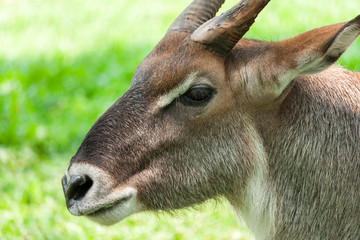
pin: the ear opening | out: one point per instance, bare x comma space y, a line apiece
316, 50
342, 40
272, 72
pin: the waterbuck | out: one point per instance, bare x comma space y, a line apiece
271, 126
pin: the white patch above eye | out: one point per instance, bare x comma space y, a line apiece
169, 97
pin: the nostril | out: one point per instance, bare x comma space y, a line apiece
77, 188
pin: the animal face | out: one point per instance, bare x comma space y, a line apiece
157, 140
185, 132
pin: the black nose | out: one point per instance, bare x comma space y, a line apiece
76, 188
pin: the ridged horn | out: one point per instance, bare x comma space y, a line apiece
198, 12
223, 32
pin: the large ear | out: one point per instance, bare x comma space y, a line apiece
271, 69
316, 50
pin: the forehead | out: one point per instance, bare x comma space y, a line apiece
173, 60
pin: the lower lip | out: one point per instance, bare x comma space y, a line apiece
107, 209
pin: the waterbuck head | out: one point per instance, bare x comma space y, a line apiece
187, 128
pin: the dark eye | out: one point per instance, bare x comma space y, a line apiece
197, 94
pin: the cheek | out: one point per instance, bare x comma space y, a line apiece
189, 172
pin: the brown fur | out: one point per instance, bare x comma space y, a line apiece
314, 162
279, 137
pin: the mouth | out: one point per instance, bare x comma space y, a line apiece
123, 205
107, 208
102, 200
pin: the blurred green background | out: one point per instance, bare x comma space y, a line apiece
62, 64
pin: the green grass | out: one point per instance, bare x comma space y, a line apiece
32, 207
63, 63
